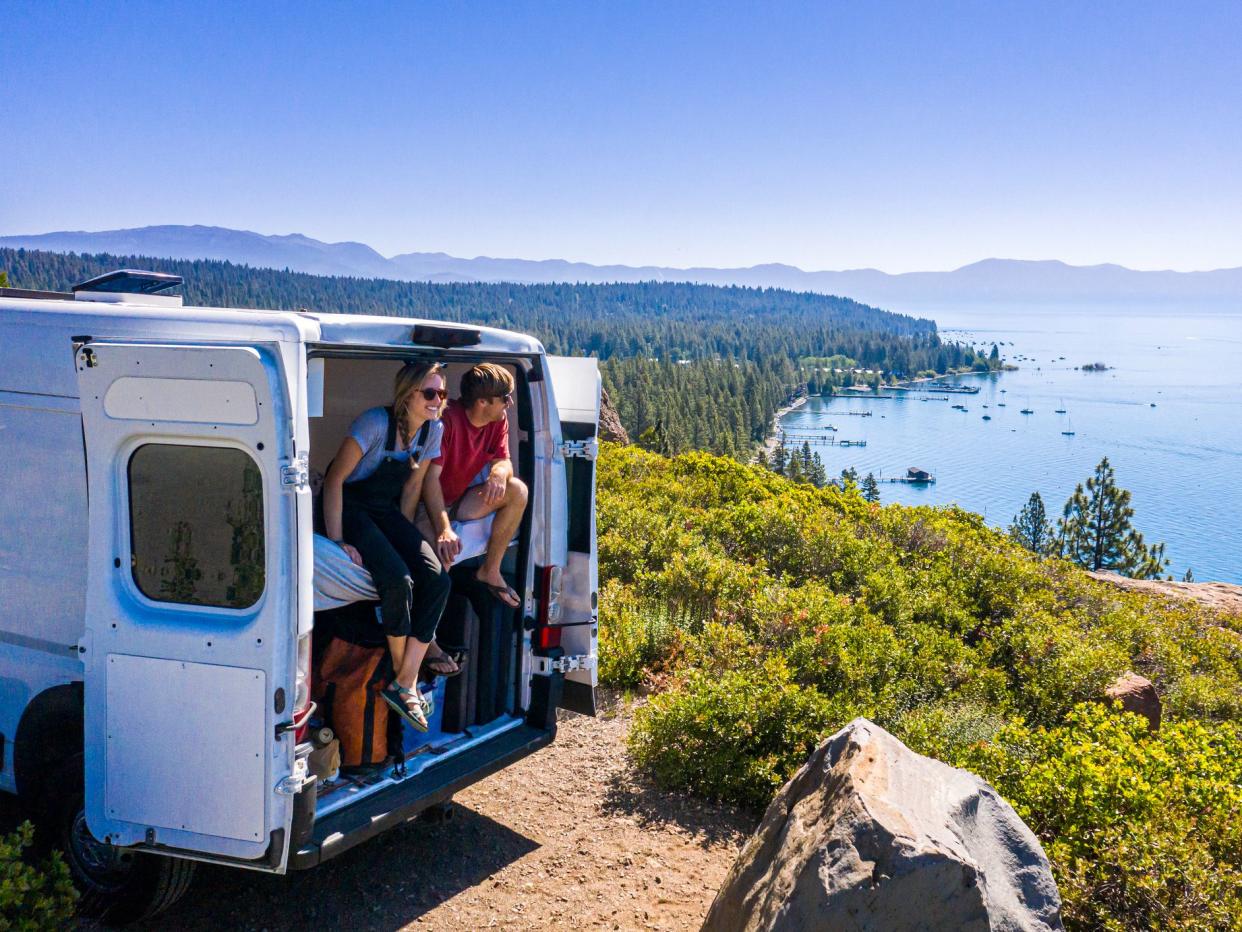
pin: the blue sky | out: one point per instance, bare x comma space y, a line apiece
827, 135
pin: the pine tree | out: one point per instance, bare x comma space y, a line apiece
1095, 530
780, 459
1190, 576
849, 479
4, 279
817, 473
994, 357
805, 456
870, 488
1031, 527
761, 458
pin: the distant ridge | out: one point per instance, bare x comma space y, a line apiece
991, 280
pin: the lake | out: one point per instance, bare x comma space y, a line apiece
1181, 459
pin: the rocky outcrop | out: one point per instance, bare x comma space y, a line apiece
870, 835
1136, 694
1223, 597
610, 426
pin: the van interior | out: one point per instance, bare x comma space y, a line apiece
484, 698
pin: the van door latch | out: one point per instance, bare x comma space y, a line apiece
545, 666
581, 449
297, 474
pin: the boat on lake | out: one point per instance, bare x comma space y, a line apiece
987, 417
1028, 410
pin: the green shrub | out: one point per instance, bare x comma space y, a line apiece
736, 736
634, 637
33, 897
1144, 830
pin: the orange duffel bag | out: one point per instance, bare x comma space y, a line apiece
347, 688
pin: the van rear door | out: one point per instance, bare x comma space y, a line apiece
576, 387
190, 645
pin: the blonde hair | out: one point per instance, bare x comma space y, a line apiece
410, 378
486, 380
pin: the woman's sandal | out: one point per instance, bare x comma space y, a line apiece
407, 703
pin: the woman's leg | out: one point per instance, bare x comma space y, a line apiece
430, 587
392, 581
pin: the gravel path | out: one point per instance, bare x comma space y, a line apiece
569, 837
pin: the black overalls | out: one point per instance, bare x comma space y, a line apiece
413, 587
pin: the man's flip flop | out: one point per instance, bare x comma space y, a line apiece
457, 658
499, 593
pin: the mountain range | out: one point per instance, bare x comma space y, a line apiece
991, 280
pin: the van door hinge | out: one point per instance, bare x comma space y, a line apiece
545, 666
297, 474
301, 776
582, 449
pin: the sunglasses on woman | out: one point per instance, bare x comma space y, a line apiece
431, 394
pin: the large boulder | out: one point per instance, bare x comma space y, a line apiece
870, 835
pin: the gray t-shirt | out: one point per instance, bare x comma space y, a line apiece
370, 430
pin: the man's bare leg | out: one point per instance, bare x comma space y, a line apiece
508, 517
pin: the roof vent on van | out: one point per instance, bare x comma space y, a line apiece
130, 286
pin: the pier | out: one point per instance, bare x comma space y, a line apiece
950, 388
825, 440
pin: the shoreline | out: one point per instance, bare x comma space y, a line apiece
770, 442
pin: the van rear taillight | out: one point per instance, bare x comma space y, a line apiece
546, 638
547, 635
302, 705
550, 595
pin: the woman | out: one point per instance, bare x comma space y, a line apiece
370, 495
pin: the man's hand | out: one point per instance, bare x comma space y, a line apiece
448, 546
495, 486
352, 552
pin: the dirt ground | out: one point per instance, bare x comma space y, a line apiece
570, 837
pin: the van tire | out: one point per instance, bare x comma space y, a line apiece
133, 885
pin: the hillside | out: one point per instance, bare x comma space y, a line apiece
767, 614
990, 280
703, 367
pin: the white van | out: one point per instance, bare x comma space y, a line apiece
157, 576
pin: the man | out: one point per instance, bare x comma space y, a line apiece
475, 475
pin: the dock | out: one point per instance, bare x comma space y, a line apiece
913, 476
824, 440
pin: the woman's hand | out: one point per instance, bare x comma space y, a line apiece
352, 552
448, 546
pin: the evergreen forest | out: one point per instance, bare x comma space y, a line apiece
687, 366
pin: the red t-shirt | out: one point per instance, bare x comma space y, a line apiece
466, 449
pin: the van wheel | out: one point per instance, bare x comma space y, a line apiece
117, 885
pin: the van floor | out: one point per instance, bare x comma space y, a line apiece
522, 852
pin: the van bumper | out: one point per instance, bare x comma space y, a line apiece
340, 831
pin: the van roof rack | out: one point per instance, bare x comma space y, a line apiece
129, 281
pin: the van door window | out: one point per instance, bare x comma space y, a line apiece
196, 525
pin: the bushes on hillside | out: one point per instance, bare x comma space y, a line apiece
772, 613
1143, 830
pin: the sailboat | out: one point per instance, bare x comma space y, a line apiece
1061, 410
1069, 432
